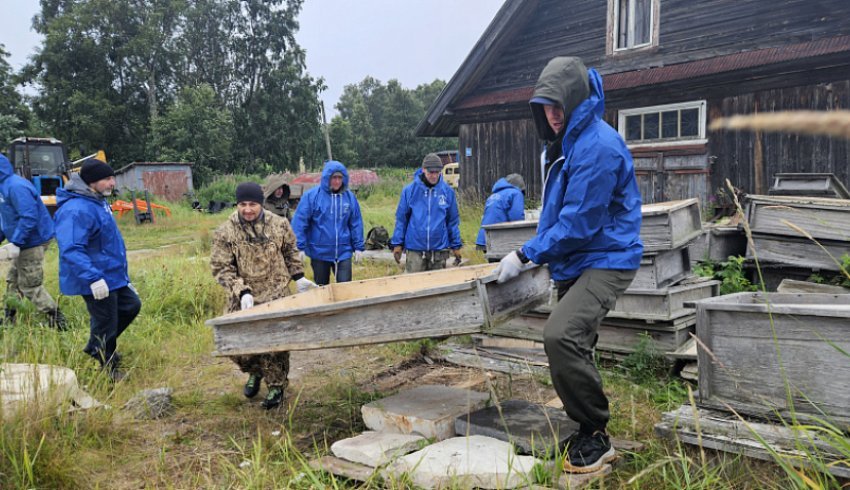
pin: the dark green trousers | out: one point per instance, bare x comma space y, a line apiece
570, 336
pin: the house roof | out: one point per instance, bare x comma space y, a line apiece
158, 164
440, 120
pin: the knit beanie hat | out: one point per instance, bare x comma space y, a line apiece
94, 170
432, 162
249, 192
516, 180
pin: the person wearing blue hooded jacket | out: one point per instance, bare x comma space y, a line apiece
427, 222
506, 203
329, 226
93, 261
589, 235
25, 222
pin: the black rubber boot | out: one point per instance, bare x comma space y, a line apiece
274, 398
57, 320
252, 386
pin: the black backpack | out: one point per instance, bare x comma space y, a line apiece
377, 239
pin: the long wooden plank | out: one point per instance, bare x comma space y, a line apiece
725, 432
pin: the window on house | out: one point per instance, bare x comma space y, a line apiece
663, 123
633, 23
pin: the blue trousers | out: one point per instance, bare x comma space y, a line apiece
322, 271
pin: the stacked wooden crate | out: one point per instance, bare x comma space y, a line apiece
654, 306
793, 233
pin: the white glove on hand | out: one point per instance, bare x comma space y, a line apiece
304, 284
509, 267
247, 301
358, 256
99, 289
10, 251
301, 257
132, 288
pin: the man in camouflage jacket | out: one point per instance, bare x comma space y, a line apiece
254, 257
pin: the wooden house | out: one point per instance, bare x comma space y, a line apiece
669, 67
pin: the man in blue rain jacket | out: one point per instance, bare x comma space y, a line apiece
329, 226
589, 235
506, 203
93, 261
427, 222
25, 222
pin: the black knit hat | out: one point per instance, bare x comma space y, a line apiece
249, 192
94, 170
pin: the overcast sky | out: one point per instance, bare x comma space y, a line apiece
414, 41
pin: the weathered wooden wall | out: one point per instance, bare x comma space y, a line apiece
737, 153
497, 149
688, 30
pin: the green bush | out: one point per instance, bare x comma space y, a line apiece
223, 188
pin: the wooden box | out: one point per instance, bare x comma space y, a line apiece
822, 218
453, 301
623, 336
798, 252
662, 269
718, 243
663, 304
756, 342
670, 225
504, 238
823, 185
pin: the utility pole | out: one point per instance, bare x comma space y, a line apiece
325, 128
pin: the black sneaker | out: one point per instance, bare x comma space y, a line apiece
252, 386
274, 398
588, 453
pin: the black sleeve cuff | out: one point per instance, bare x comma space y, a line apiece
522, 257
298, 276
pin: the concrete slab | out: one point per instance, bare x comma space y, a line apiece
465, 462
429, 411
340, 467
534, 429
377, 448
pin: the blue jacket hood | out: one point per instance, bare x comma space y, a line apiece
77, 188
328, 225
331, 167
24, 219
6, 169
506, 203
593, 107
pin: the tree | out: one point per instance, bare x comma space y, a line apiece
13, 113
376, 123
197, 128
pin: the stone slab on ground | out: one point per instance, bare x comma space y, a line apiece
376, 448
570, 481
465, 462
532, 428
343, 468
429, 411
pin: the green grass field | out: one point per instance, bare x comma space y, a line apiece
215, 438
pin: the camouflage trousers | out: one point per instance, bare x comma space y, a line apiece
26, 279
274, 367
419, 261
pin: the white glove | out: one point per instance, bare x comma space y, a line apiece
304, 284
509, 267
247, 301
10, 251
301, 257
358, 255
99, 289
132, 288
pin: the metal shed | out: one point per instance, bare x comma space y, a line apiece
169, 180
